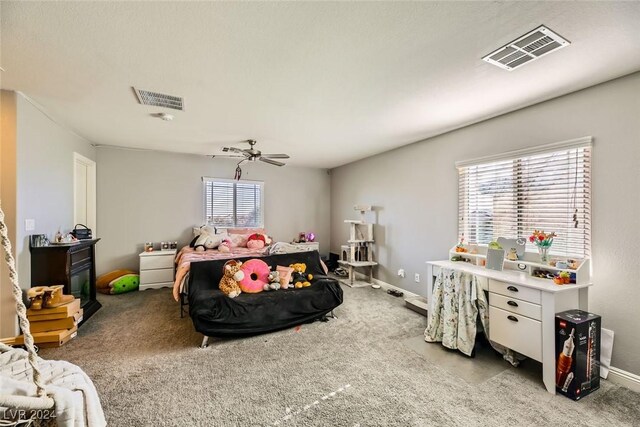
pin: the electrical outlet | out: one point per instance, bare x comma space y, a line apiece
29, 224
401, 272
417, 277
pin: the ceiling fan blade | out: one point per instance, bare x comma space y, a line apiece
233, 150
276, 156
228, 156
271, 162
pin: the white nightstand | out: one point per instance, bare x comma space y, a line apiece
156, 269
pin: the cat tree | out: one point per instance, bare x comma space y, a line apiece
358, 252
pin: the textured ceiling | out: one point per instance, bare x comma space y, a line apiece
326, 82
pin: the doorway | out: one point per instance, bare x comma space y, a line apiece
84, 191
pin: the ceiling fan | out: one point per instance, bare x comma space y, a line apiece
251, 154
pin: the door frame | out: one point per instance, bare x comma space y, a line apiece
91, 190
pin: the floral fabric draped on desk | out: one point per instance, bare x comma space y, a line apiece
458, 300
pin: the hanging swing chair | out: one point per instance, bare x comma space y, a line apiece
38, 392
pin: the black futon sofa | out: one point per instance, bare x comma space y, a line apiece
216, 315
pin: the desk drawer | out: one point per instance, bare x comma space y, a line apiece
515, 291
156, 276
156, 261
516, 306
516, 332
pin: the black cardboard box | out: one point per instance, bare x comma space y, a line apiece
578, 353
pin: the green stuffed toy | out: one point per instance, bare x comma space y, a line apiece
118, 282
126, 283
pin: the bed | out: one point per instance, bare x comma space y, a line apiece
188, 255
216, 315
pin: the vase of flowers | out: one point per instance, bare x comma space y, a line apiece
543, 241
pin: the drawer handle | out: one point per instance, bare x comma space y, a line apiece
512, 303
512, 288
512, 318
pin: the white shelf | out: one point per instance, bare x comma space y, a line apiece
530, 262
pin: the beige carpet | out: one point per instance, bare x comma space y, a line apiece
366, 368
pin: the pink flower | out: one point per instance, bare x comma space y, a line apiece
531, 238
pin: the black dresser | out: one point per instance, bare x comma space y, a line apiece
71, 265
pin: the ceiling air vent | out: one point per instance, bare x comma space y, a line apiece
527, 48
159, 99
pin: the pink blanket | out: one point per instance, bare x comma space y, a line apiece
187, 255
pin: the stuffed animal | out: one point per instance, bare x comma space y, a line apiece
232, 275
299, 279
207, 240
285, 276
274, 281
118, 282
225, 246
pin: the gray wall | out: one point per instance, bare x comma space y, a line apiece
155, 196
415, 188
44, 178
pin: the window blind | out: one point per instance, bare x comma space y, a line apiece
548, 190
233, 203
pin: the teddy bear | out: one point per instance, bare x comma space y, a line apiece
274, 281
232, 275
299, 279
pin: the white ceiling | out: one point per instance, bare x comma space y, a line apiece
326, 82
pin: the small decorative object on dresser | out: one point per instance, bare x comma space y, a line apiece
543, 241
156, 269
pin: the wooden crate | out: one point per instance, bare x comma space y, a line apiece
46, 339
61, 312
56, 324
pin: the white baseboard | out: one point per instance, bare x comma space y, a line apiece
624, 378
386, 286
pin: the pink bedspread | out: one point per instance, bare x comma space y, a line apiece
187, 255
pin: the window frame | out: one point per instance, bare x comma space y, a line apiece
518, 157
206, 179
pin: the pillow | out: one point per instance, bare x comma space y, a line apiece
238, 240
285, 274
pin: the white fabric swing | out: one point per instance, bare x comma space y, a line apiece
47, 392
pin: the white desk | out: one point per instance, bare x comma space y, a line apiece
522, 310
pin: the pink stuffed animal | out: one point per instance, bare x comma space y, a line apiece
225, 246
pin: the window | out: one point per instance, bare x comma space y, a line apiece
548, 188
229, 203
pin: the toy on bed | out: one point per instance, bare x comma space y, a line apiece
299, 279
229, 284
208, 239
285, 276
274, 281
256, 276
118, 282
258, 241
